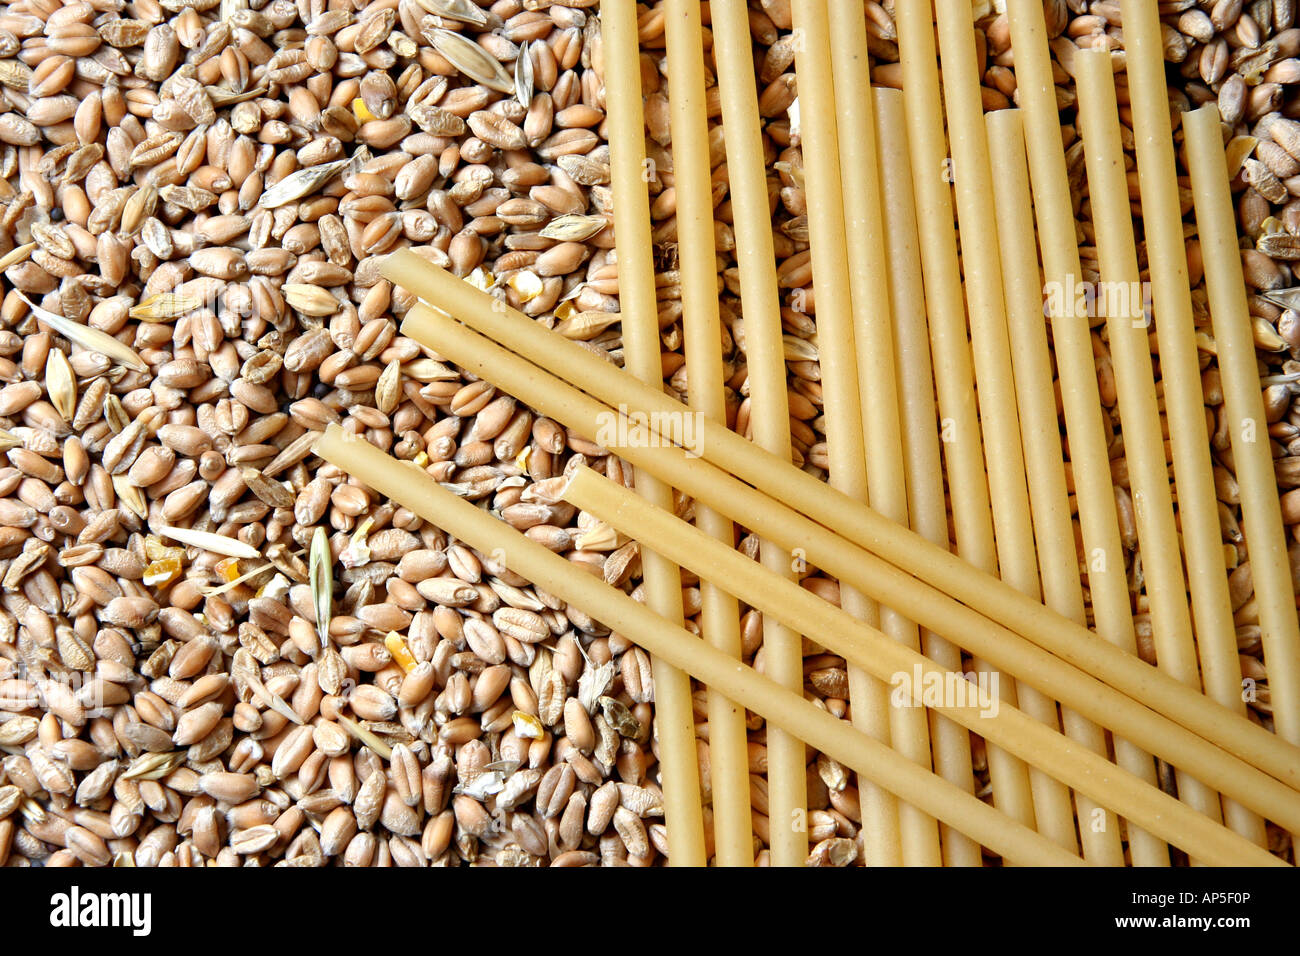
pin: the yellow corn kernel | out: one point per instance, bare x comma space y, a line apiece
361, 111
154, 547
162, 572
527, 726
527, 284
397, 647
481, 279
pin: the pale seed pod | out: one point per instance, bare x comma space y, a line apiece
406, 775
631, 831
437, 834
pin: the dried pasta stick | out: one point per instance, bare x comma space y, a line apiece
1040, 432
1135, 386
842, 402
733, 826
674, 713
968, 486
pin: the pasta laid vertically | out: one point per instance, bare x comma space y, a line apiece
999, 417
846, 454
769, 406
641, 345
923, 466
733, 833
1135, 385
878, 384
1265, 536
964, 459
1048, 491
1089, 458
